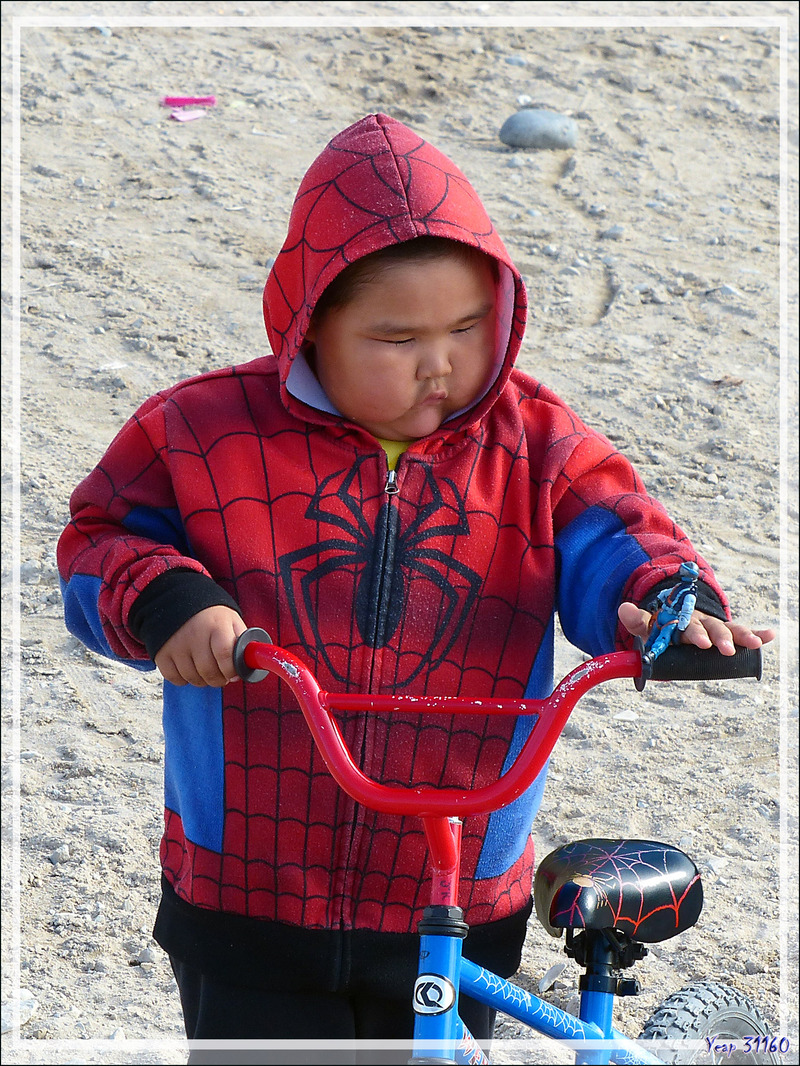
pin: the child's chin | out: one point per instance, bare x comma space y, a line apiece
405, 429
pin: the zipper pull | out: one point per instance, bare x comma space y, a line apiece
391, 488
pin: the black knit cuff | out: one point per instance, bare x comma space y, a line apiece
170, 600
707, 600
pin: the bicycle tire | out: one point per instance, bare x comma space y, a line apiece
709, 1011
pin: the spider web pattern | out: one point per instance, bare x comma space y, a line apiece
648, 890
447, 588
252, 485
522, 1005
376, 184
295, 848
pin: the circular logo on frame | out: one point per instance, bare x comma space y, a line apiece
433, 994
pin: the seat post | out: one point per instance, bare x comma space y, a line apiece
598, 987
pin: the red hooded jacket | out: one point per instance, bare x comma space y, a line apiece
245, 486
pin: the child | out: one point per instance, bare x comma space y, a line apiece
391, 500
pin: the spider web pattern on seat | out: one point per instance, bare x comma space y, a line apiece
650, 891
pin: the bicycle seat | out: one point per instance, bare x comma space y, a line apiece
648, 890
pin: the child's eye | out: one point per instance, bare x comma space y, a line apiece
466, 329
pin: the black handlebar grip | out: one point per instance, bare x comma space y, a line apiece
248, 637
687, 662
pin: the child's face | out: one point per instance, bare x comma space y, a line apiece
411, 348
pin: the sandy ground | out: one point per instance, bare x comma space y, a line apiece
652, 251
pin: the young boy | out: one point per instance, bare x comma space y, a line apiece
391, 500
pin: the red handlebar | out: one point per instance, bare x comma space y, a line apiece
318, 707
441, 809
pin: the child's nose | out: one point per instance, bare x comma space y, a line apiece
435, 360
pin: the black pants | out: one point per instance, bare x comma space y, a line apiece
213, 1010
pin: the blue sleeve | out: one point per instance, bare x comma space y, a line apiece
596, 556
82, 617
81, 592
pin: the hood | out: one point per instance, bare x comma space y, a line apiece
376, 183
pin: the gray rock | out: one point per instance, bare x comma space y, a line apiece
26, 1006
613, 233
535, 128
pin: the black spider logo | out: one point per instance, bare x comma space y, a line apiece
382, 563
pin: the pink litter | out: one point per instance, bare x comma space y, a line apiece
188, 101
181, 114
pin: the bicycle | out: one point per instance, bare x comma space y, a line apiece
610, 897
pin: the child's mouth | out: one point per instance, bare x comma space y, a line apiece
434, 398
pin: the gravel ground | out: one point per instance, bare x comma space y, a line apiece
652, 252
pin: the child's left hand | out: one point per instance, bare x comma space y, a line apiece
704, 630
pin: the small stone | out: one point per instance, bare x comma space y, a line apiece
731, 81
536, 128
551, 976
30, 573
47, 172
613, 233
25, 1004
572, 731
61, 854
626, 716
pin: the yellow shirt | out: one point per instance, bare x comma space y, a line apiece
394, 449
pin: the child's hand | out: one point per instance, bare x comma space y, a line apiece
704, 630
201, 651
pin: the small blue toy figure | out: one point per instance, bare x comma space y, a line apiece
674, 612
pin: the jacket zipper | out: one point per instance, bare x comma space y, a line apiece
385, 560
385, 552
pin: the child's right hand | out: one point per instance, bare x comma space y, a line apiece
201, 651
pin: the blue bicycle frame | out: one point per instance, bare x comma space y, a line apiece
440, 1036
